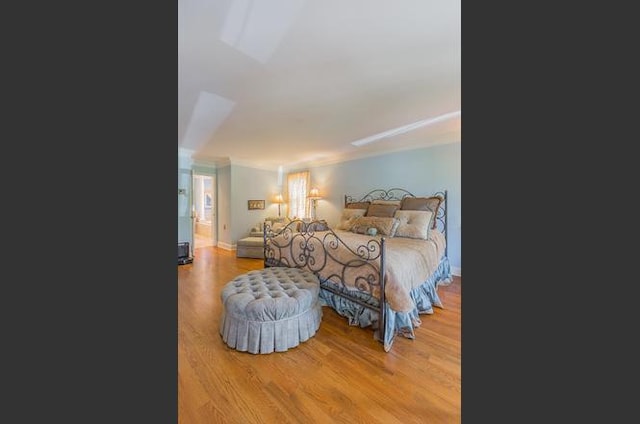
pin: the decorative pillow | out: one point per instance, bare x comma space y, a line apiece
358, 205
394, 229
381, 210
348, 217
386, 202
384, 225
296, 226
277, 226
347, 223
281, 219
275, 223
423, 204
318, 226
413, 224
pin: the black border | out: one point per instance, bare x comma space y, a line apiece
547, 327
90, 313
545, 124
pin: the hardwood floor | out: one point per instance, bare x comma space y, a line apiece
200, 240
340, 375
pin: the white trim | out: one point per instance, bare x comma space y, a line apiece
221, 162
356, 155
456, 271
253, 164
205, 163
451, 137
216, 162
226, 246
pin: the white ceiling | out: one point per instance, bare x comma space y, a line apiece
265, 83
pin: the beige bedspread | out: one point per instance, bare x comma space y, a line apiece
409, 262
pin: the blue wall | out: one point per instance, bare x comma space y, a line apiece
421, 171
251, 184
235, 186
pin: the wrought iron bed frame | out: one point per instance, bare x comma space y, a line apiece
366, 256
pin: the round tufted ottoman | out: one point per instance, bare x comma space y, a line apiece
271, 309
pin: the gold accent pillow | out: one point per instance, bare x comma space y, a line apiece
348, 218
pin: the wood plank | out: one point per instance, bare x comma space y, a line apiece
342, 374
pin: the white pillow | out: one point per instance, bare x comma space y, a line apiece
413, 224
348, 217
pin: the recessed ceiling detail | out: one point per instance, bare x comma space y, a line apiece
405, 128
295, 82
208, 114
256, 27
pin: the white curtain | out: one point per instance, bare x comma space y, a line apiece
297, 189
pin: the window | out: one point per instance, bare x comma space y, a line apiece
297, 187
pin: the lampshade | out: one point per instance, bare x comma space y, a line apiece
314, 193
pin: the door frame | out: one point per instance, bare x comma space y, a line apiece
214, 207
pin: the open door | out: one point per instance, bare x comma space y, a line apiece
204, 210
185, 208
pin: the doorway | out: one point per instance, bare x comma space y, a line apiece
204, 208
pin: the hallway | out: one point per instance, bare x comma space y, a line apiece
201, 241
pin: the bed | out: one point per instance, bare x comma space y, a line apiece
380, 266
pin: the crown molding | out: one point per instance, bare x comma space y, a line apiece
253, 164
210, 163
347, 157
221, 162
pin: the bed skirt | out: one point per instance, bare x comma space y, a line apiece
424, 298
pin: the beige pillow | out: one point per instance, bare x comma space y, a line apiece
381, 210
348, 217
413, 224
281, 219
384, 225
358, 205
277, 227
386, 202
423, 204
396, 224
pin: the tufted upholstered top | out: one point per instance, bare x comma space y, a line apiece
271, 294
270, 310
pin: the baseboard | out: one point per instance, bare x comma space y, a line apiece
456, 271
226, 246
